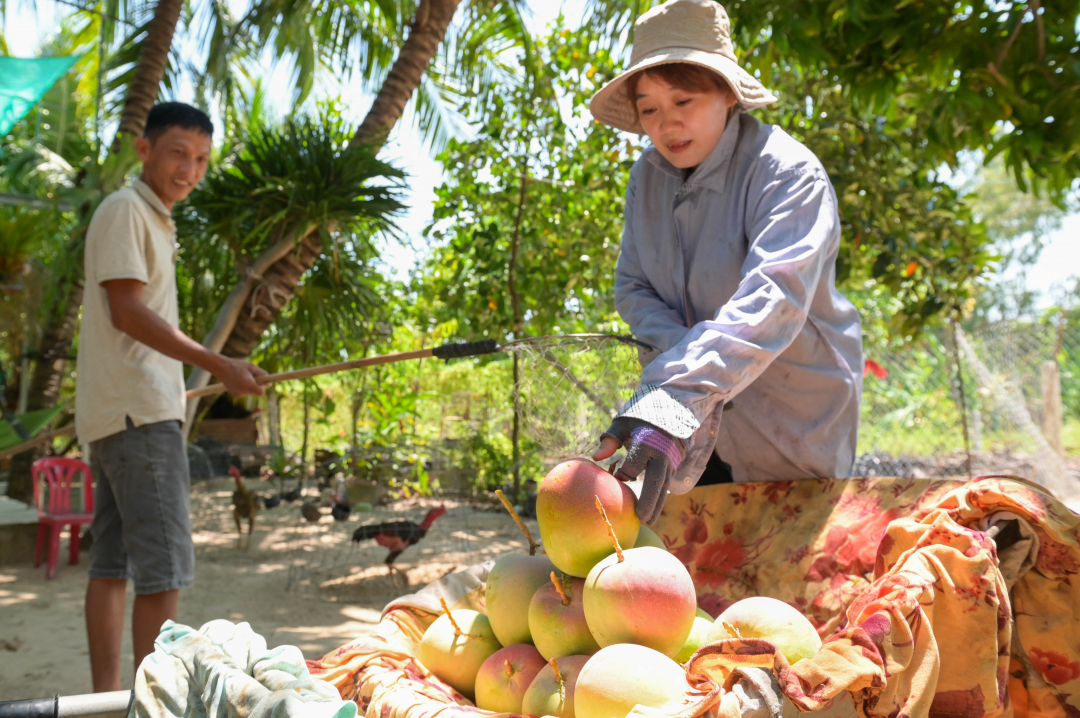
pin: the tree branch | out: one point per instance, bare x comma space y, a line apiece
1009, 42
1036, 9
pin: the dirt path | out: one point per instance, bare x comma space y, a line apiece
301, 584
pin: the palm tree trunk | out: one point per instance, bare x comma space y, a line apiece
433, 18
62, 319
153, 60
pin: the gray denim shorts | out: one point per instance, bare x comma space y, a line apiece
142, 508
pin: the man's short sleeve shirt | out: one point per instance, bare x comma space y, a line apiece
131, 236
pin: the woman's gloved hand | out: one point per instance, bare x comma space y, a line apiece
649, 449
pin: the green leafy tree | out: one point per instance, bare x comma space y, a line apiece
998, 76
902, 228
287, 181
526, 232
370, 35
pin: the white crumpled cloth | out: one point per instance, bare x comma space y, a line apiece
224, 670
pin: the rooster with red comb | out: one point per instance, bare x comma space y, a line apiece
397, 536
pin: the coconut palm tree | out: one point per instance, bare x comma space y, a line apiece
464, 65
392, 43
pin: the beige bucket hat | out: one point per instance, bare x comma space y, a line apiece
691, 31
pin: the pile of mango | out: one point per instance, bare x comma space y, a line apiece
599, 624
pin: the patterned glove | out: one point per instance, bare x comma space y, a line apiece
652, 450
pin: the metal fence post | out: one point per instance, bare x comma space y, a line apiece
963, 399
1053, 420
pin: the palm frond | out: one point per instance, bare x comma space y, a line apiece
611, 22
22, 232
299, 174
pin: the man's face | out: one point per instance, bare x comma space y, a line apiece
683, 125
174, 162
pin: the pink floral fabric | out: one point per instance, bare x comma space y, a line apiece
905, 592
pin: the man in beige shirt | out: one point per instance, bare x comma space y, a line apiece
130, 393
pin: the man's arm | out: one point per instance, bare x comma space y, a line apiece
131, 316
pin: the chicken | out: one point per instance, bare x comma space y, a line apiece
340, 510
310, 512
293, 494
339, 507
245, 506
397, 536
273, 500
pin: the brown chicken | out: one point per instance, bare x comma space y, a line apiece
310, 512
245, 506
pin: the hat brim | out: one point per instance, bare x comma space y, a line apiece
612, 106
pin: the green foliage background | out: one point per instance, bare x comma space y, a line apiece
527, 225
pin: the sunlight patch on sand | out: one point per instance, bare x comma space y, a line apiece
13, 598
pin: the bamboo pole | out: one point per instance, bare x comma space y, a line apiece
318, 371
37, 441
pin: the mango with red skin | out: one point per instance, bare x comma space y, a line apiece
505, 676
574, 536
647, 599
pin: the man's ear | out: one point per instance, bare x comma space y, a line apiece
142, 148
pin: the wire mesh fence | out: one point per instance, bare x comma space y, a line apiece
999, 398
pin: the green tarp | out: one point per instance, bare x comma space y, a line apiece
32, 421
23, 82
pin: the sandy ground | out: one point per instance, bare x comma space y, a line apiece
302, 584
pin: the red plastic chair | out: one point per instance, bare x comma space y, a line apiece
58, 473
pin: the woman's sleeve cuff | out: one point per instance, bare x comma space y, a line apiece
652, 404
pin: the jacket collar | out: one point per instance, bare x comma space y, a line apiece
712, 173
152, 199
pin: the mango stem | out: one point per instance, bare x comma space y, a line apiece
610, 530
509, 668
560, 589
517, 520
450, 616
558, 679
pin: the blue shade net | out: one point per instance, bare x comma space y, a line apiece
23, 82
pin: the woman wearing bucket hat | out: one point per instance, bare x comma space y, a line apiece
727, 267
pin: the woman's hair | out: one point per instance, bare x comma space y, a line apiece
683, 75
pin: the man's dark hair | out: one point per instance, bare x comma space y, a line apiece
176, 114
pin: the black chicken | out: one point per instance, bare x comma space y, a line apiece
340, 510
397, 535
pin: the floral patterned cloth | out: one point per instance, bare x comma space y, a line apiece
898, 575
